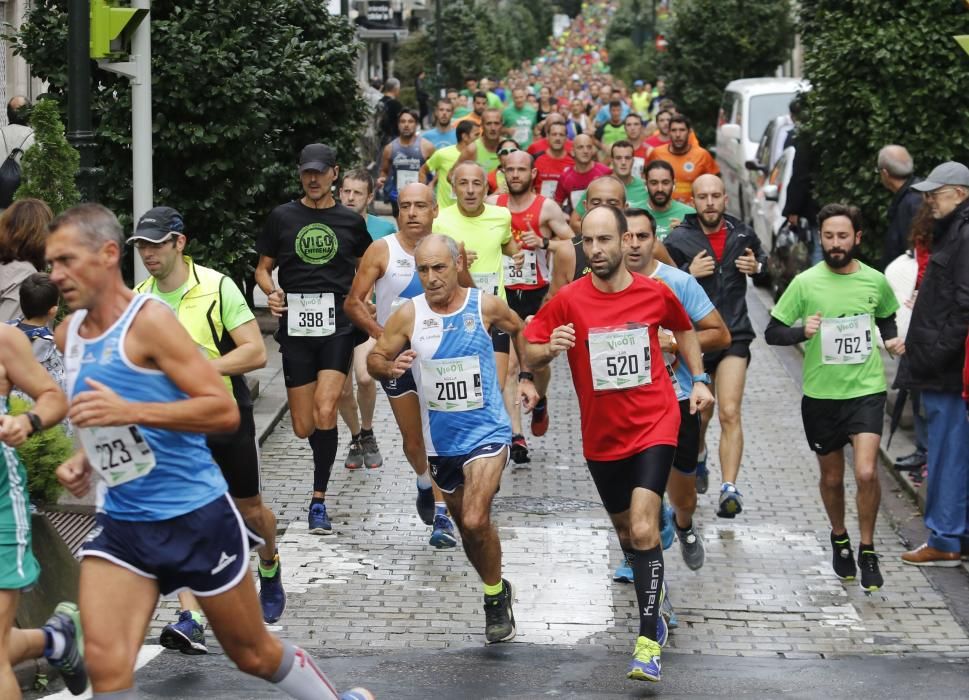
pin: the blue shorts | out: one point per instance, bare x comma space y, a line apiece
404, 384
448, 472
205, 551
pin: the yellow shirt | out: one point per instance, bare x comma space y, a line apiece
440, 164
485, 234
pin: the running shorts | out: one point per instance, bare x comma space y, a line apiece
237, 455
829, 424
616, 479
448, 472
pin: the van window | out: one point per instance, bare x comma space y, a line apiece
729, 109
763, 108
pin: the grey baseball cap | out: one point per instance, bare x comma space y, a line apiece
949, 173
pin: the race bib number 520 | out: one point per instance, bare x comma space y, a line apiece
619, 357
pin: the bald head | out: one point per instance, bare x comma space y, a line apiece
607, 189
435, 246
709, 201
469, 165
416, 191
896, 161
706, 183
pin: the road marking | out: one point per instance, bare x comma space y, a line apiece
145, 655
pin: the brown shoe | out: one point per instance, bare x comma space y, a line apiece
925, 555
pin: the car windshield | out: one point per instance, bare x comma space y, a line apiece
763, 108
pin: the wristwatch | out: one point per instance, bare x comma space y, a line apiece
545, 243
704, 378
526, 376
36, 424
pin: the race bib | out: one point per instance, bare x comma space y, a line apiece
406, 177
311, 315
670, 361
528, 274
548, 188
452, 385
638, 164
486, 281
846, 341
118, 454
575, 197
522, 133
619, 357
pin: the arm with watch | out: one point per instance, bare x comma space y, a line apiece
19, 368
689, 349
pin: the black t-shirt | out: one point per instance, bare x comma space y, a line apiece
316, 250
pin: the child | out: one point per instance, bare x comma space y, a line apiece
38, 301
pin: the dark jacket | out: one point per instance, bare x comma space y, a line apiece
905, 204
935, 344
800, 190
727, 286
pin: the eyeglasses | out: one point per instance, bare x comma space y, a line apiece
935, 193
507, 151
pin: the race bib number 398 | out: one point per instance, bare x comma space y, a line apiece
846, 341
619, 357
311, 315
453, 384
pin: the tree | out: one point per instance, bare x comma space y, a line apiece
238, 87
49, 167
41, 455
882, 73
712, 42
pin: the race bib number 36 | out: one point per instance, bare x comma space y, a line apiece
311, 315
118, 453
452, 385
619, 357
846, 341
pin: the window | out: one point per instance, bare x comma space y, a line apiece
763, 108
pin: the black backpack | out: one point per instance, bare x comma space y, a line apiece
10, 171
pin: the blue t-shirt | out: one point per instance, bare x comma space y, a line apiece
602, 116
378, 227
441, 139
697, 305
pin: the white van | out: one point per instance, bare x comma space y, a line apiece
747, 107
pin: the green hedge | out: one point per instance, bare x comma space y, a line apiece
41, 455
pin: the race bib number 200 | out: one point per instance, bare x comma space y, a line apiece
846, 341
619, 357
452, 384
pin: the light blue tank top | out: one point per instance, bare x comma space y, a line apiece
461, 403
185, 477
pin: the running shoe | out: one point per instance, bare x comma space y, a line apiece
425, 505
646, 664
691, 547
731, 502
842, 558
354, 458
357, 694
519, 449
540, 418
871, 575
624, 572
662, 620
499, 619
371, 451
702, 475
442, 537
66, 621
272, 596
186, 635
319, 521
666, 525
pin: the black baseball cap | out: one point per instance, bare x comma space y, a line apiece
316, 156
158, 225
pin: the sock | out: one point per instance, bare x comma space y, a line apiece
54, 643
495, 589
647, 569
440, 508
268, 567
317, 499
129, 694
299, 677
424, 480
324, 444
365, 432
197, 616
866, 547
355, 438
682, 529
540, 405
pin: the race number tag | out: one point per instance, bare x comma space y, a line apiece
638, 164
486, 281
528, 274
311, 315
846, 341
118, 454
406, 177
452, 385
575, 197
548, 188
619, 357
522, 133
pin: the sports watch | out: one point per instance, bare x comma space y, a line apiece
36, 424
705, 378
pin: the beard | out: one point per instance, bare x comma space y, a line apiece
609, 269
837, 263
710, 221
660, 199
517, 188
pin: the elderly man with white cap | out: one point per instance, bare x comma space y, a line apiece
935, 352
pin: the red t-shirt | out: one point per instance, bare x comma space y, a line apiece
573, 181
617, 423
541, 146
922, 255
718, 240
656, 140
549, 171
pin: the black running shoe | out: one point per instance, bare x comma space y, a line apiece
843, 559
66, 621
519, 450
871, 575
499, 619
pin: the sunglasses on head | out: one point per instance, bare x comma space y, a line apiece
506, 151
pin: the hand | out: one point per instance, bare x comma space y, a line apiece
470, 256
703, 265
403, 362
700, 398
531, 239
667, 343
99, 407
895, 346
527, 394
812, 325
277, 302
562, 338
381, 181
519, 259
14, 430
372, 310
75, 474
747, 263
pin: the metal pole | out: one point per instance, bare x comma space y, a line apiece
141, 121
438, 51
80, 132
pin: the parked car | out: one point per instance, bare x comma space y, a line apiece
768, 202
769, 151
747, 107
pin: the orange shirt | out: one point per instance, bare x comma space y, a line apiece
470, 117
686, 168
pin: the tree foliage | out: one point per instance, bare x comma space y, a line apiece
882, 73
712, 42
49, 167
238, 87
41, 455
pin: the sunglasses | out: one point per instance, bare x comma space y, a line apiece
507, 151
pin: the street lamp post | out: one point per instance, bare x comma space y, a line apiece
438, 51
80, 131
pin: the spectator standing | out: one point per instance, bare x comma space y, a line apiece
23, 236
895, 168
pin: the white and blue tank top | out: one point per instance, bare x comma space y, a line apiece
399, 283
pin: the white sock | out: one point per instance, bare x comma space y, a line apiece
299, 677
424, 480
57, 643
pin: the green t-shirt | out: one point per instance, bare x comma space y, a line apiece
494, 102
460, 112
522, 122
840, 298
487, 159
610, 133
636, 197
440, 164
667, 220
485, 234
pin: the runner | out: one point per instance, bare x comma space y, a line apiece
535, 221
439, 165
661, 136
519, 119
544, 144
622, 167
403, 157
575, 180
316, 243
721, 252
609, 322
666, 211
357, 193
841, 302
689, 160
466, 429
612, 130
388, 268
633, 126
553, 162
216, 315
479, 103
496, 178
137, 382
487, 144
60, 640
443, 133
